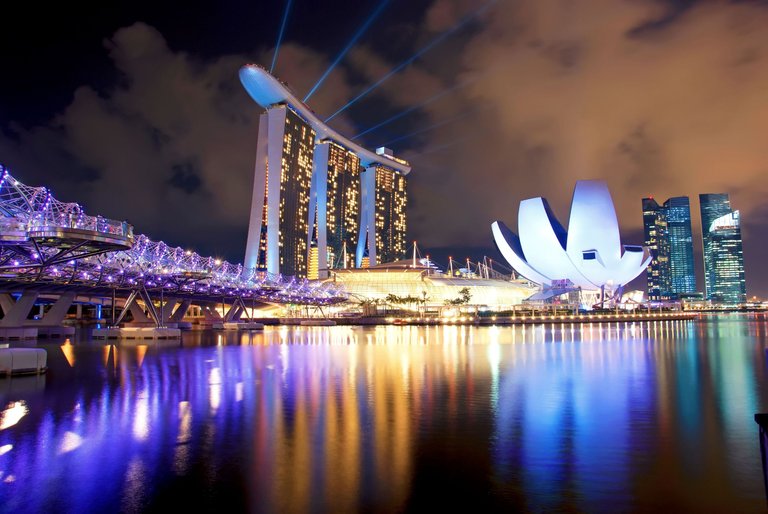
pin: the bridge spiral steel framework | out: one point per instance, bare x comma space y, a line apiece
45, 241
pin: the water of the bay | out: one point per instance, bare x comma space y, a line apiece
653, 416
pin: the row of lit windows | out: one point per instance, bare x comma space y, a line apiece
343, 200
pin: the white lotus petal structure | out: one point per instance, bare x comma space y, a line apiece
589, 254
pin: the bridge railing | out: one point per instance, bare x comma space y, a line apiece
36, 209
46, 220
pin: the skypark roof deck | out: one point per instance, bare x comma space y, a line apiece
268, 91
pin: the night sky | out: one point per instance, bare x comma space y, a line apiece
135, 109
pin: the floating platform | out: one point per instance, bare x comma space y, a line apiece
23, 361
136, 333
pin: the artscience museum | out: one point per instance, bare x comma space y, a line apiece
589, 256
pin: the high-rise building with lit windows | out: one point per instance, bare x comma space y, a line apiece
723, 253
682, 272
655, 229
336, 204
287, 139
313, 272
333, 203
671, 273
384, 217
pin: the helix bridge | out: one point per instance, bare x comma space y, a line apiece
55, 246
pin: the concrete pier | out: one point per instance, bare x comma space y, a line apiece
55, 332
17, 333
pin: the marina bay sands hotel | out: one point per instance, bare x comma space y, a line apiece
320, 201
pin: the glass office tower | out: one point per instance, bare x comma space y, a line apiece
682, 275
655, 230
667, 227
723, 253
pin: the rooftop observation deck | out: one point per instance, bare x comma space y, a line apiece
268, 91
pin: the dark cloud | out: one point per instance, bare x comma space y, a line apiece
185, 177
672, 11
170, 146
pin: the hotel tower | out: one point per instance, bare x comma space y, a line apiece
320, 201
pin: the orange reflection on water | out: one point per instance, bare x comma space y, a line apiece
12, 414
68, 351
322, 421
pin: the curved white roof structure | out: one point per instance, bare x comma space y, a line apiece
590, 254
267, 91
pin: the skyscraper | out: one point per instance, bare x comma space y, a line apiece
310, 190
655, 230
284, 138
668, 234
335, 205
681, 265
723, 253
383, 218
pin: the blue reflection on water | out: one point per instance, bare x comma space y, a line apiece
623, 416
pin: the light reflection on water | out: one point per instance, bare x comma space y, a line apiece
644, 416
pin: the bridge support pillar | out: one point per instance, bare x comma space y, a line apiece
15, 314
166, 309
233, 314
139, 316
210, 314
235, 311
58, 311
6, 303
180, 312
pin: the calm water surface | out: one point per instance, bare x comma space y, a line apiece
595, 418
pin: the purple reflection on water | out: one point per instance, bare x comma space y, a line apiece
596, 418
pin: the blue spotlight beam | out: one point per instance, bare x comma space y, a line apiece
349, 46
439, 39
409, 110
434, 126
442, 147
280, 34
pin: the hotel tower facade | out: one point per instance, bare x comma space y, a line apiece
320, 201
